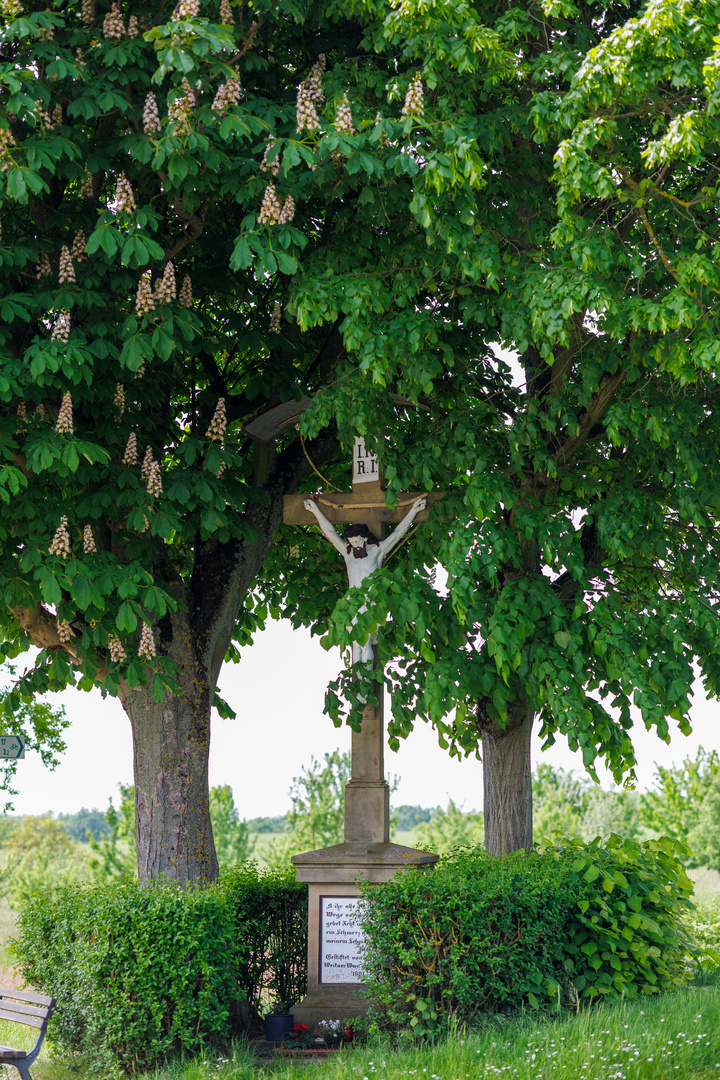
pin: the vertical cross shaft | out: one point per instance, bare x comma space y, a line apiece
367, 795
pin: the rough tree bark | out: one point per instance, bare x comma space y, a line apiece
507, 780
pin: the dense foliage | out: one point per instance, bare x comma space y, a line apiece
486, 933
143, 973
355, 198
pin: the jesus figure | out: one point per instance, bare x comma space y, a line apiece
363, 552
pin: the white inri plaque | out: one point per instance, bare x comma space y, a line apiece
365, 463
341, 936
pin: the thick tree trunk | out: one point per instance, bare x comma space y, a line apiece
507, 780
171, 742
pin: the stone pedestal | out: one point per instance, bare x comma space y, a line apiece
333, 873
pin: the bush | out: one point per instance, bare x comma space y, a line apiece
269, 914
142, 973
486, 933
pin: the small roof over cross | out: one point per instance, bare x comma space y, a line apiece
364, 505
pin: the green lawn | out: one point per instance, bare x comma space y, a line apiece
671, 1035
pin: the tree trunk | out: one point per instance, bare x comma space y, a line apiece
171, 743
507, 780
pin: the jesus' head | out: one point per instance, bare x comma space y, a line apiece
358, 537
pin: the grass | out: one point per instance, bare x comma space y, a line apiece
656, 1038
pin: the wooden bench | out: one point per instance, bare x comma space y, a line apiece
23, 1008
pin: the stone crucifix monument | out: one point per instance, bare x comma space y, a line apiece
334, 933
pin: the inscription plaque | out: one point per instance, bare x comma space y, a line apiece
341, 937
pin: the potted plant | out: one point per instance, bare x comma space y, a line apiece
278, 1022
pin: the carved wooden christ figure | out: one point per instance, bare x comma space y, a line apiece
363, 552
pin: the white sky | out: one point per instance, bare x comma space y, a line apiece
277, 691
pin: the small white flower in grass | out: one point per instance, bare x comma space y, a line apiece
61, 329
151, 115
147, 643
64, 425
113, 26
67, 270
65, 631
186, 292
124, 196
130, 457
218, 424
154, 481
88, 540
60, 544
116, 649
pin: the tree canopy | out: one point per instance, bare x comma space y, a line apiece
211, 210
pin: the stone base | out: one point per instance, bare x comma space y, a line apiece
335, 871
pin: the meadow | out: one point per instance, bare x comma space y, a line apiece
656, 1038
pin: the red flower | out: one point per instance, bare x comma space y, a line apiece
299, 1028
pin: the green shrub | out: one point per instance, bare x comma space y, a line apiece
486, 933
142, 973
268, 910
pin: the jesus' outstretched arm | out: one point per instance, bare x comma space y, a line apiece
326, 526
397, 534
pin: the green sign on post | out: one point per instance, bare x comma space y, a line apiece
12, 746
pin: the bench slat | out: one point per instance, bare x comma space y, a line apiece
7, 1053
43, 1011
25, 995
32, 1021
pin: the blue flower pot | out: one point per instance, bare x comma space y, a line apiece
278, 1026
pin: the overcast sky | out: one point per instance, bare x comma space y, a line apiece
277, 691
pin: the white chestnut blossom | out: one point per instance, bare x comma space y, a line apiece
130, 457
154, 480
61, 329
306, 115
78, 253
144, 301
151, 115
64, 425
186, 292
147, 643
275, 320
88, 540
166, 290
67, 271
228, 94
271, 207
113, 26
343, 118
218, 424
116, 649
60, 544
124, 196
413, 104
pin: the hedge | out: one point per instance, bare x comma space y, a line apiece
142, 973
486, 933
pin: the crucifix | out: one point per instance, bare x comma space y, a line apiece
364, 548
